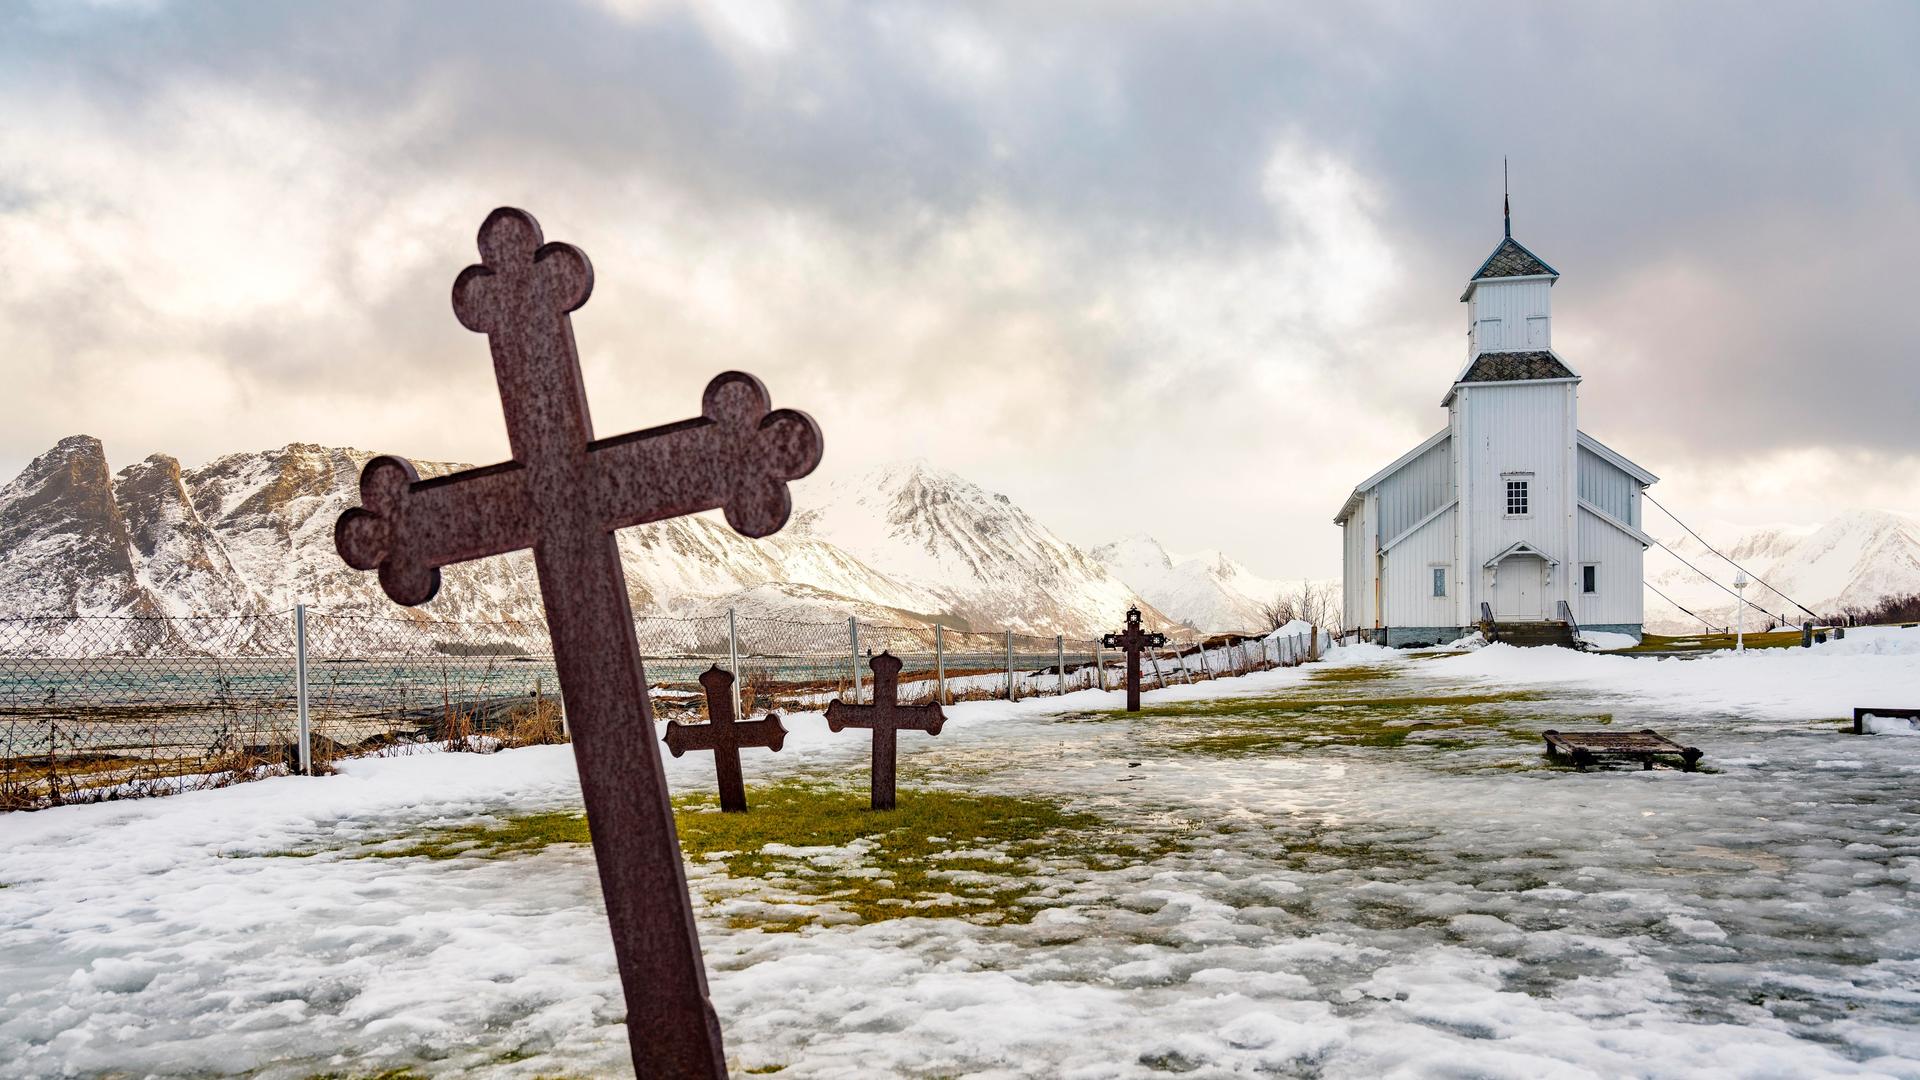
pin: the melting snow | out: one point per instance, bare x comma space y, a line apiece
1346, 911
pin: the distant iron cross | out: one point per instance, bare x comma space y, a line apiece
563, 495
1133, 639
887, 717
725, 735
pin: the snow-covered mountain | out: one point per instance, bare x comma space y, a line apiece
252, 533
1207, 591
971, 549
1856, 559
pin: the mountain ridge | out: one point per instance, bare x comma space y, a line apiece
251, 533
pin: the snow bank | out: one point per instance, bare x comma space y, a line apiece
1873, 641
1606, 640
1776, 683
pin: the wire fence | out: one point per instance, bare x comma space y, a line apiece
95, 708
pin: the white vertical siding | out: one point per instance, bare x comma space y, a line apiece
1517, 427
1524, 312
1621, 563
1354, 611
1408, 577
1606, 486
1422, 486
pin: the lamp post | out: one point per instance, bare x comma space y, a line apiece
1740, 616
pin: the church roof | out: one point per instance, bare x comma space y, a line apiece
1515, 367
1510, 259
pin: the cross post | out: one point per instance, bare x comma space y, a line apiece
725, 735
563, 494
887, 718
1132, 640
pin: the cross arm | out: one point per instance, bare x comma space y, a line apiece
841, 716
407, 528
768, 732
737, 455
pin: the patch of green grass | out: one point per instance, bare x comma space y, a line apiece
407, 1073
813, 852
1280, 705
940, 854
1262, 727
1357, 673
518, 835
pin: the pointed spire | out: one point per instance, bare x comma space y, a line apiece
1506, 200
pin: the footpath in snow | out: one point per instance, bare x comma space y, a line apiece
1423, 898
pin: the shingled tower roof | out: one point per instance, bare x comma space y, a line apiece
1510, 259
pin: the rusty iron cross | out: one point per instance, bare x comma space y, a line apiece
725, 735
563, 494
887, 717
1133, 639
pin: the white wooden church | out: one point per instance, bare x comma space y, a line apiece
1510, 505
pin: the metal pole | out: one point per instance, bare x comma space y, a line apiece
1060, 660
1740, 611
853, 642
940, 664
300, 687
1010, 696
733, 660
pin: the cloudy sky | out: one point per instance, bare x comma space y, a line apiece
1185, 269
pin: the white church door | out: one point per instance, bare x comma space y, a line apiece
1519, 589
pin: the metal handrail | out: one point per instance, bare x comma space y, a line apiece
1566, 616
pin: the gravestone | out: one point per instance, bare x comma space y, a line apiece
887, 718
1132, 640
563, 494
725, 735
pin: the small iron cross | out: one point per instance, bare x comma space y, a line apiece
563, 494
724, 735
887, 717
1133, 639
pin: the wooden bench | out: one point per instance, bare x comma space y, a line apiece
1911, 716
1585, 748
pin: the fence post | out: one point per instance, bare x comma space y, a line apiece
1099, 667
1010, 692
733, 659
1060, 660
1186, 675
1205, 671
300, 687
940, 664
1159, 677
853, 645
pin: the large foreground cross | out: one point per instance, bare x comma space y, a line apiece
563, 495
887, 717
1133, 639
725, 735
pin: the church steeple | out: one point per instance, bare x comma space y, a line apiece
1508, 307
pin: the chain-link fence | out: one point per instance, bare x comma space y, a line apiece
96, 708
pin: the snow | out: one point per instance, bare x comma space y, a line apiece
1606, 640
1858, 558
1447, 914
1206, 590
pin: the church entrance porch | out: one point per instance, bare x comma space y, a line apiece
1522, 576
1519, 586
